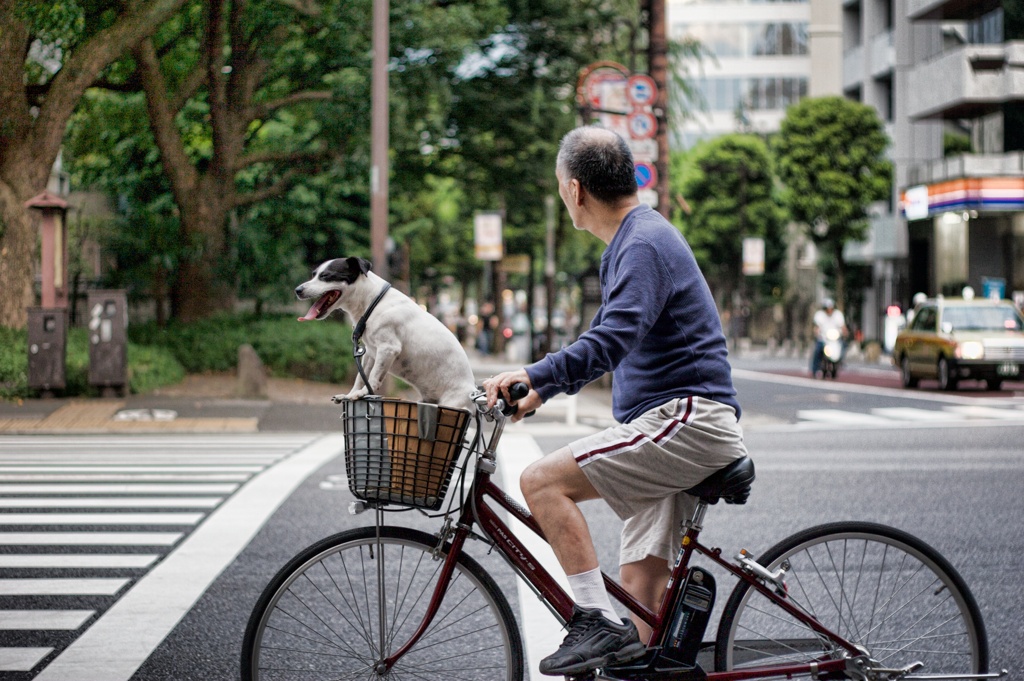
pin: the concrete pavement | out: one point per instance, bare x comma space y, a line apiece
207, 404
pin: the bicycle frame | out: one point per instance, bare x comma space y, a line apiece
478, 512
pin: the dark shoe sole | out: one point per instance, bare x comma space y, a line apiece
627, 654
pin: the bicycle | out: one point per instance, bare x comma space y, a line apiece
846, 600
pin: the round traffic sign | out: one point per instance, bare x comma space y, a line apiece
646, 175
641, 90
642, 125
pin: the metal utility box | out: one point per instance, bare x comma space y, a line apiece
108, 339
47, 341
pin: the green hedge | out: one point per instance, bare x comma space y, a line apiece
148, 367
318, 351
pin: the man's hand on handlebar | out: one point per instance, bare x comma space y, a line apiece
498, 387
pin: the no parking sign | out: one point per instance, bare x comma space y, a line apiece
646, 175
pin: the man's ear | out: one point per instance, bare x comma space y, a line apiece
576, 191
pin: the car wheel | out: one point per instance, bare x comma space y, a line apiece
947, 381
994, 383
909, 380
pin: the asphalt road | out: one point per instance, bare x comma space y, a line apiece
953, 479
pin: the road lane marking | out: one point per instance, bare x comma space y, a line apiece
57, 467
100, 518
21, 659
123, 477
979, 412
50, 620
137, 623
61, 587
119, 488
77, 560
541, 630
839, 416
832, 386
911, 414
109, 502
89, 538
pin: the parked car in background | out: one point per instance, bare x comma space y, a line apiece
959, 338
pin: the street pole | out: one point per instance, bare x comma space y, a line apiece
379, 139
657, 61
549, 269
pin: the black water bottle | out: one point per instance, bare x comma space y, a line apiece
691, 617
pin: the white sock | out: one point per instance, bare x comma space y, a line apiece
589, 592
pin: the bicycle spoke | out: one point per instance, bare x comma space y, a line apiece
888, 592
324, 621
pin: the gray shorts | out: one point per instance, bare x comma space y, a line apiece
640, 469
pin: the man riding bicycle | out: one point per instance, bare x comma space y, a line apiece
659, 332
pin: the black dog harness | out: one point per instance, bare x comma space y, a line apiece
358, 349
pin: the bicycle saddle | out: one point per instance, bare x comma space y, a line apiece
731, 483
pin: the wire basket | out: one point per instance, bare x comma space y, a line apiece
399, 452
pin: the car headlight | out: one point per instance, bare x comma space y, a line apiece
970, 350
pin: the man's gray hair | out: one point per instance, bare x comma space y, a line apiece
600, 160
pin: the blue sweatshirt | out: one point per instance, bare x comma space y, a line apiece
657, 328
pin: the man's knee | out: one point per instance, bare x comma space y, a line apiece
533, 481
557, 473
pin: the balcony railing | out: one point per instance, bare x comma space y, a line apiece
967, 165
883, 54
967, 81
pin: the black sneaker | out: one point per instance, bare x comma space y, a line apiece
592, 642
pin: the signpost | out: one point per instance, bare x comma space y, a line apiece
610, 96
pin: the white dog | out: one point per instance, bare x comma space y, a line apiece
400, 337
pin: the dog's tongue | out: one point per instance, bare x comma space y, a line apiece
313, 312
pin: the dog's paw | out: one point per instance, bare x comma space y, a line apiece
356, 394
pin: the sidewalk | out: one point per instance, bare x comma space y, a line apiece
208, 403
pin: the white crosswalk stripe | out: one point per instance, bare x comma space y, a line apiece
80, 517
945, 415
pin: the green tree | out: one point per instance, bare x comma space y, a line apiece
831, 158
50, 53
729, 185
259, 109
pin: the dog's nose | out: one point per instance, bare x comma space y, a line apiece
298, 291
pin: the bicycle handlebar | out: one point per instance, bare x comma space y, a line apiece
507, 409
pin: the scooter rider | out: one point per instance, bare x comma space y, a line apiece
825, 320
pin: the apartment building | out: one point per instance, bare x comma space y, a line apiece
947, 77
761, 62
964, 211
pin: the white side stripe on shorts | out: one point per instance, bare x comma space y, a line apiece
669, 428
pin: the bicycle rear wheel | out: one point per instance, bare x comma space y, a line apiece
323, 616
876, 586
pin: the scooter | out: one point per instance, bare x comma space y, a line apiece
832, 354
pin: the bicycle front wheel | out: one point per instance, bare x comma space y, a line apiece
879, 588
349, 601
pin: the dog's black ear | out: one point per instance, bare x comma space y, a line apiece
361, 264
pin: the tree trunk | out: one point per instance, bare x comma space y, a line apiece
17, 246
198, 290
30, 138
840, 277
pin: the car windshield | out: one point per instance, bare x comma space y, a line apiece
978, 318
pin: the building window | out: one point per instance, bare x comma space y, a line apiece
780, 39
748, 40
986, 29
724, 40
